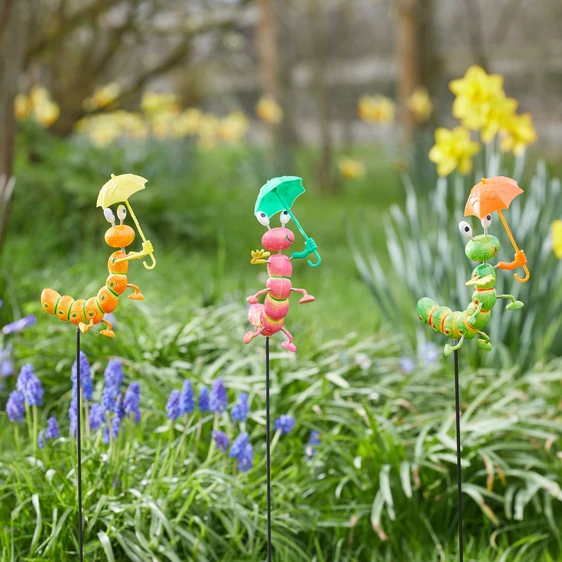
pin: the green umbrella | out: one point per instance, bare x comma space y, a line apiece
279, 194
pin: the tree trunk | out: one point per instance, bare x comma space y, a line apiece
13, 27
409, 61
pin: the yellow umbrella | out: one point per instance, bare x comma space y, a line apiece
117, 190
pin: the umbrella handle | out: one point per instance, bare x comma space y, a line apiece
151, 266
527, 275
318, 261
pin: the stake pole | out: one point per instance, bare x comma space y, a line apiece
268, 449
79, 446
459, 474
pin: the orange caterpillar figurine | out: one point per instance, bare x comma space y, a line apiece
87, 313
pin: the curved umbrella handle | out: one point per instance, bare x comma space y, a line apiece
527, 275
318, 261
151, 266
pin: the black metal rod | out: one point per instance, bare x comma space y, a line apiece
268, 449
79, 445
459, 456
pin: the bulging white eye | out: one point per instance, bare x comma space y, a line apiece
285, 217
121, 212
465, 229
109, 216
263, 219
486, 221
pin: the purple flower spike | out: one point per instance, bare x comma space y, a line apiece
16, 406
187, 400
240, 409
173, 405
219, 399
132, 401
85, 376
19, 325
239, 445
221, 439
407, 365
204, 400
97, 417
285, 424
52, 429
30, 386
246, 460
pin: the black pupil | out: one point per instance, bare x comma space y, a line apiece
466, 228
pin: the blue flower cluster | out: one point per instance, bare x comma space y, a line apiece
29, 391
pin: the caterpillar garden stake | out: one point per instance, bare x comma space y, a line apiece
277, 195
471, 322
85, 313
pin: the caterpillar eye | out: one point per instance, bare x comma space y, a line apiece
285, 217
486, 222
465, 229
263, 219
109, 216
121, 213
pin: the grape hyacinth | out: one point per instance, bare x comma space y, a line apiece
239, 445
219, 398
246, 460
313, 440
113, 379
204, 400
173, 405
19, 325
407, 365
85, 377
221, 439
52, 431
132, 401
6, 362
97, 417
30, 386
187, 399
40, 439
285, 424
240, 409
15, 406
73, 417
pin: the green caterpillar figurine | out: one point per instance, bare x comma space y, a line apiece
466, 325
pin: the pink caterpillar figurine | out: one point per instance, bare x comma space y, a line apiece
268, 318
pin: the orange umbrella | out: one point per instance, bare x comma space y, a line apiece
495, 194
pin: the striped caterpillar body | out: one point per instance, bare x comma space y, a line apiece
85, 313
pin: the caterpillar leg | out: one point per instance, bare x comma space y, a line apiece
472, 319
249, 336
485, 342
253, 299
108, 330
85, 327
137, 295
514, 304
450, 348
289, 345
305, 298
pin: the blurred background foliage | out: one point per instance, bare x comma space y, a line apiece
390, 111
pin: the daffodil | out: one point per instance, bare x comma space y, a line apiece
376, 109
104, 97
22, 107
162, 123
187, 123
420, 104
500, 114
46, 112
233, 127
557, 238
38, 95
208, 132
103, 131
268, 110
476, 93
350, 168
152, 102
453, 150
518, 133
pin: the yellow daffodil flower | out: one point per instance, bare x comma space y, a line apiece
22, 107
46, 112
453, 149
38, 95
153, 102
420, 104
268, 110
557, 238
233, 127
518, 133
476, 93
376, 109
187, 123
499, 115
103, 97
350, 168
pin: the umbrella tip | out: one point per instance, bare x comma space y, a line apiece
112, 176
483, 181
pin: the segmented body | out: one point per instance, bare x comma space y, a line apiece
271, 314
468, 322
67, 309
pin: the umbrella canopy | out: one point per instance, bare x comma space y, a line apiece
278, 194
494, 195
491, 194
119, 188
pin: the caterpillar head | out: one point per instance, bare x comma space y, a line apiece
276, 239
483, 247
118, 236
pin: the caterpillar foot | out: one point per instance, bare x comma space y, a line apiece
83, 327
252, 300
108, 333
248, 337
136, 297
306, 298
485, 345
514, 305
289, 346
447, 350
